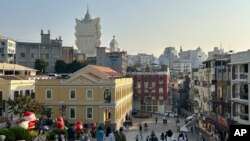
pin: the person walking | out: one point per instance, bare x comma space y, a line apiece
137, 138
71, 133
109, 135
156, 118
120, 136
140, 128
99, 134
86, 135
162, 136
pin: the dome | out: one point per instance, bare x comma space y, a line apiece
113, 42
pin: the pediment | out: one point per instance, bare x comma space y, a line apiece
80, 80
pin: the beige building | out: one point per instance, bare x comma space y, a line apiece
11, 87
92, 94
15, 69
67, 54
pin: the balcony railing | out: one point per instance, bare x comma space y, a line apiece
241, 76
243, 96
244, 116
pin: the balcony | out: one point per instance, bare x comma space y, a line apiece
240, 76
242, 96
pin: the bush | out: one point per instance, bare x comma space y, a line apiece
10, 136
33, 134
50, 136
20, 133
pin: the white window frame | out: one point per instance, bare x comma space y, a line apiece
70, 112
70, 94
46, 96
87, 94
87, 112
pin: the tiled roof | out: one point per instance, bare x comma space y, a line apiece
92, 75
107, 71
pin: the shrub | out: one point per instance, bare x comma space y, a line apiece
50, 135
20, 133
10, 136
33, 134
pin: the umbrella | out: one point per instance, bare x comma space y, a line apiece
184, 129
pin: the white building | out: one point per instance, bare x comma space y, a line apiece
7, 50
215, 53
182, 66
141, 60
88, 33
168, 57
196, 57
240, 66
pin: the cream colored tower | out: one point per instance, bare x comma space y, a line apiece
88, 33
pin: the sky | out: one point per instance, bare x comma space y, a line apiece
140, 26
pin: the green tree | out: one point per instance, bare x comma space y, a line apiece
40, 65
75, 66
60, 66
23, 104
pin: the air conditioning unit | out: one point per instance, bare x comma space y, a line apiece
227, 115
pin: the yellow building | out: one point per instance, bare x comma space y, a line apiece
11, 87
92, 94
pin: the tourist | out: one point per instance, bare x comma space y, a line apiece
181, 137
146, 126
140, 127
162, 136
99, 134
186, 137
156, 120
109, 135
85, 136
137, 138
121, 135
71, 133
191, 129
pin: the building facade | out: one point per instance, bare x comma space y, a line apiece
141, 60
240, 66
168, 57
88, 33
12, 87
195, 57
182, 66
67, 54
48, 50
92, 94
7, 50
116, 60
151, 91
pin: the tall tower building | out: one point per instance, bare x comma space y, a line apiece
88, 33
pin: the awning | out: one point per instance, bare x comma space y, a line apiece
184, 129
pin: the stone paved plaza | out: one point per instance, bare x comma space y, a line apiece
158, 128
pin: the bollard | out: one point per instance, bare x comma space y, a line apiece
2, 137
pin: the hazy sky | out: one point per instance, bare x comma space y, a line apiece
140, 26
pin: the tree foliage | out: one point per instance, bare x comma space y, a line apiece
23, 104
60, 66
40, 65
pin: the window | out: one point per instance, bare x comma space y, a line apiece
3, 43
48, 94
89, 112
72, 112
22, 54
27, 92
16, 93
89, 94
72, 94
49, 112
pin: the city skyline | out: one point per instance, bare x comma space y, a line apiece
139, 27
